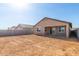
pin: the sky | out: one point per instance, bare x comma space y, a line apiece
14, 13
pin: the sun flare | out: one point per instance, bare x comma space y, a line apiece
20, 4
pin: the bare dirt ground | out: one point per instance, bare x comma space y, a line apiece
33, 45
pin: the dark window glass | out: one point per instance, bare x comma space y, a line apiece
38, 30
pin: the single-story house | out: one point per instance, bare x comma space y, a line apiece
12, 28
21, 29
24, 27
53, 27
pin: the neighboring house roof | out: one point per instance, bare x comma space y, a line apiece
75, 29
21, 26
55, 20
12, 28
24, 26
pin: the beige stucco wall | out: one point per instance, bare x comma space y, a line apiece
78, 33
48, 22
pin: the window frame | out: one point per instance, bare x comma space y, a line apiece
38, 30
53, 29
60, 30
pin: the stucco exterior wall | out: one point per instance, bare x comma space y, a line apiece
78, 33
47, 22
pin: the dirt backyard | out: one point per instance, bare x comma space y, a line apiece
33, 45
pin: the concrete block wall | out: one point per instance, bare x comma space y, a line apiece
15, 32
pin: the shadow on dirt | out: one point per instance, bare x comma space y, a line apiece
73, 39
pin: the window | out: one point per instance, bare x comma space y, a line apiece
61, 29
38, 30
53, 30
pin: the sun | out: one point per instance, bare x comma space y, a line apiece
19, 4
